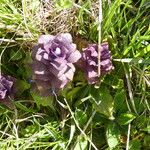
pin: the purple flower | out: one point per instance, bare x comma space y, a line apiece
6, 84
89, 62
53, 60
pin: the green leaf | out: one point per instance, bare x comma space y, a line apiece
15, 55
76, 93
81, 144
147, 141
133, 60
44, 101
120, 102
71, 93
81, 116
102, 101
98, 134
112, 134
23, 107
72, 132
21, 86
125, 119
29, 130
24, 71
135, 145
144, 51
147, 129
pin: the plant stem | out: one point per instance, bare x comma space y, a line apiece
129, 88
77, 124
99, 37
128, 137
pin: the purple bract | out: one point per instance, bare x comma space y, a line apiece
89, 62
53, 60
6, 84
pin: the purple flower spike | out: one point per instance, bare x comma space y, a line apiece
6, 84
89, 62
53, 59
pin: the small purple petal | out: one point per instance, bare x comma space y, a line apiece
74, 57
66, 36
44, 39
70, 72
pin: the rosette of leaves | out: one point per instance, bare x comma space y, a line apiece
89, 62
53, 62
6, 90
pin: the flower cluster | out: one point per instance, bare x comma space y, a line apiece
6, 85
53, 64
89, 62
53, 59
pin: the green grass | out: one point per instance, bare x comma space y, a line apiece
112, 116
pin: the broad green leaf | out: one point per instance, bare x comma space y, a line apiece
114, 80
102, 101
15, 55
81, 116
140, 106
44, 101
135, 145
24, 71
142, 123
147, 129
81, 144
77, 93
21, 86
98, 133
112, 135
72, 93
120, 102
147, 141
125, 119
